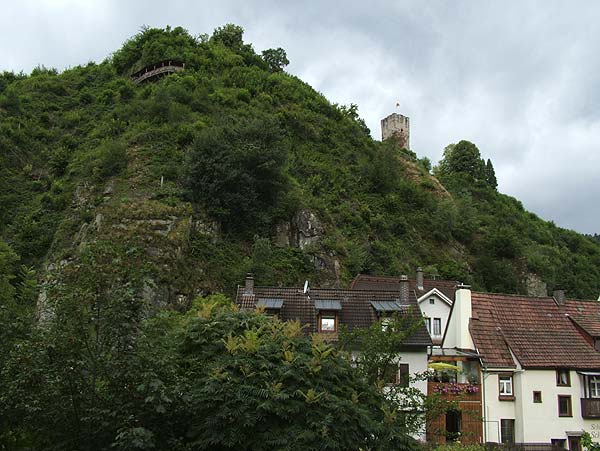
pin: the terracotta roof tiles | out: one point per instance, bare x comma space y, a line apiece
539, 332
366, 282
356, 308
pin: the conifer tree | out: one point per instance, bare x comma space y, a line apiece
490, 174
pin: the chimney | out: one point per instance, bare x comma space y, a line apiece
559, 296
420, 279
249, 289
404, 288
457, 330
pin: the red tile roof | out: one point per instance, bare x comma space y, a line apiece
356, 312
366, 282
539, 332
586, 314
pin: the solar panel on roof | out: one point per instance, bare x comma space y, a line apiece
386, 306
270, 303
327, 304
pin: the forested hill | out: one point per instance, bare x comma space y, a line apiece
179, 186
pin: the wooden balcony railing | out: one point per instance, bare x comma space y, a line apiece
590, 407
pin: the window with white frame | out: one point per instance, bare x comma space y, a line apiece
594, 385
437, 327
432, 301
505, 385
428, 324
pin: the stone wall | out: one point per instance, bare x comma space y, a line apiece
397, 127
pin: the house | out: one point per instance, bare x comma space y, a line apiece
539, 364
434, 297
323, 311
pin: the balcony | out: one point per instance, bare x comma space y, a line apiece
457, 391
590, 407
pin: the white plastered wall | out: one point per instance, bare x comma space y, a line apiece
440, 309
535, 422
457, 331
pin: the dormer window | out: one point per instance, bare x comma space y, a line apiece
328, 314
270, 306
327, 322
432, 301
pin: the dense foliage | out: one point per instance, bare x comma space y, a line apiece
99, 378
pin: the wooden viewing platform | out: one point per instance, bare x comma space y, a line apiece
157, 70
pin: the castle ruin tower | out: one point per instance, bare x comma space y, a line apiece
397, 127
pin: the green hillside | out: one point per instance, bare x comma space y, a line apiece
173, 188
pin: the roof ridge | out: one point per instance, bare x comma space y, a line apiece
510, 295
526, 296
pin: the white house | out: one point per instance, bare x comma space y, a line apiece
540, 364
435, 307
434, 297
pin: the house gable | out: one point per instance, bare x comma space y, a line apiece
434, 293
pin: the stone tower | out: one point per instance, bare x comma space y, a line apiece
397, 127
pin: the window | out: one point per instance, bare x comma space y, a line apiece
428, 325
563, 378
537, 396
396, 374
404, 374
453, 425
594, 382
385, 323
507, 431
505, 386
437, 327
390, 374
574, 443
327, 323
564, 406
432, 301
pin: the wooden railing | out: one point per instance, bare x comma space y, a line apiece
156, 70
590, 407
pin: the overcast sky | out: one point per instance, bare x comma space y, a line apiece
521, 79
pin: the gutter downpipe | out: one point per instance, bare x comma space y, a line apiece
484, 404
485, 420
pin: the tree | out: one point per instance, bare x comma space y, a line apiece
262, 256
74, 382
462, 157
238, 172
490, 174
276, 59
588, 443
255, 373
377, 346
230, 35
214, 378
